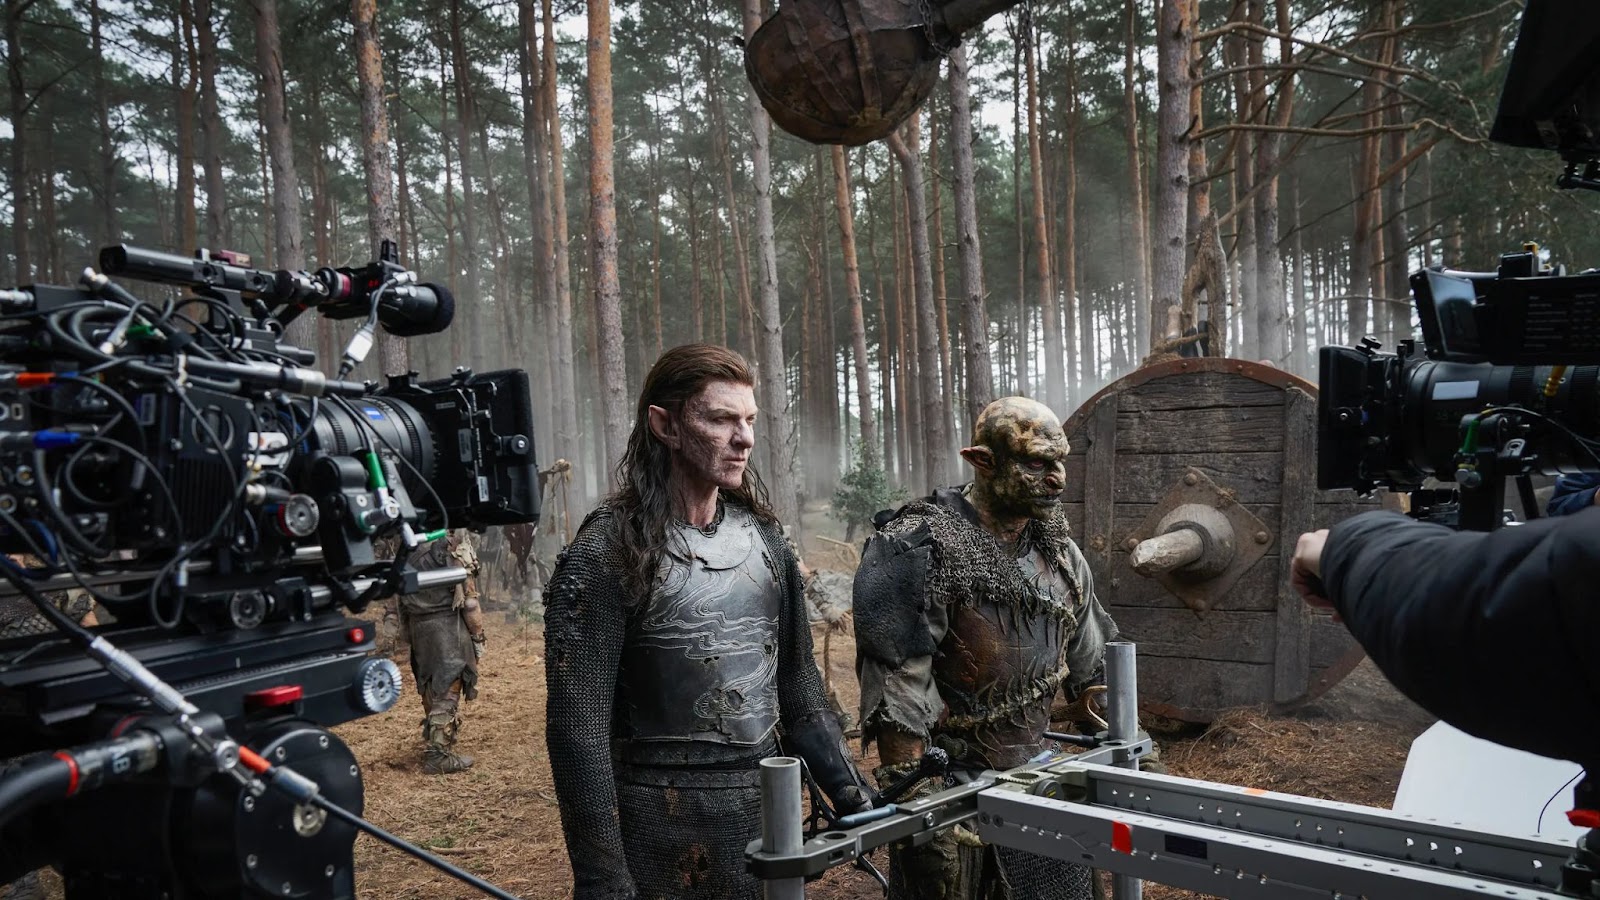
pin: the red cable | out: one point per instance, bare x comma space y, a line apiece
72, 771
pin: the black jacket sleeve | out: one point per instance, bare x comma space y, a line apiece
1493, 632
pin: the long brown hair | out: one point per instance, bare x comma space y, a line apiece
641, 505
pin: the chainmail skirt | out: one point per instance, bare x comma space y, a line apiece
685, 831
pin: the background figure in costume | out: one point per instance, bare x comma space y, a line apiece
444, 627
974, 608
678, 652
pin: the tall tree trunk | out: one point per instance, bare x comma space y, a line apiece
1238, 53
720, 128
211, 131
566, 369
287, 241
775, 396
655, 225
603, 236
1055, 359
885, 367
1366, 205
979, 367
933, 436
1272, 307
110, 226
536, 174
1395, 231
852, 286
1199, 168
941, 297
1025, 30
185, 84
1299, 342
1130, 102
470, 294
1171, 197
1069, 220
907, 386
21, 172
394, 355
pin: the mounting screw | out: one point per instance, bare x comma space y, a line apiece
1131, 543
1191, 479
249, 804
928, 820
287, 888
328, 871
281, 753
355, 772
323, 742
1262, 537
250, 862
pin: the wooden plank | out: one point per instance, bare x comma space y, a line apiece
1198, 691
1291, 668
1100, 474
1330, 640
1200, 390
1211, 636
1255, 591
1076, 466
1147, 477
1225, 429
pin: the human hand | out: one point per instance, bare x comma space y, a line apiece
478, 642
1305, 573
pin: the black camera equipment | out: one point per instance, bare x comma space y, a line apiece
1507, 386
228, 505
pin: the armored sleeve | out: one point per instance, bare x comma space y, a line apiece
1086, 650
898, 630
809, 727
585, 626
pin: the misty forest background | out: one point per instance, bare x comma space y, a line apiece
595, 183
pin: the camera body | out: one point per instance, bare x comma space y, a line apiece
1506, 384
229, 506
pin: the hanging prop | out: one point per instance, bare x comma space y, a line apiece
850, 71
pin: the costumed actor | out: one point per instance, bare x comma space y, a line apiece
678, 652
973, 609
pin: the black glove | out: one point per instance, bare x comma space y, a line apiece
817, 740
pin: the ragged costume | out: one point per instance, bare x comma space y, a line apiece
661, 707
963, 643
444, 627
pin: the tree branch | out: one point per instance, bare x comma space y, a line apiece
1329, 49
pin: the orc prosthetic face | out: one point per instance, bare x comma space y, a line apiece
1020, 454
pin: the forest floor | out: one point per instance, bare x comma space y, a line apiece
499, 820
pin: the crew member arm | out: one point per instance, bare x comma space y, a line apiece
809, 727
1491, 631
584, 633
1573, 494
899, 627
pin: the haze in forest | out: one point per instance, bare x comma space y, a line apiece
591, 202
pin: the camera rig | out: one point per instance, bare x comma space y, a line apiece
1095, 808
228, 505
1506, 385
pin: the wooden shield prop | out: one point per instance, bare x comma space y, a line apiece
1224, 446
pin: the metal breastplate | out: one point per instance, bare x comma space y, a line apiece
999, 667
701, 661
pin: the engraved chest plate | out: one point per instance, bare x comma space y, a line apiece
701, 659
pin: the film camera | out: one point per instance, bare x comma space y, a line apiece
1506, 383
228, 505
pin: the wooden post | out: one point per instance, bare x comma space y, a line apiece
1292, 665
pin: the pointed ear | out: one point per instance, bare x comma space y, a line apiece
662, 426
980, 457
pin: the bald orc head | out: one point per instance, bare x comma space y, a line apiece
1020, 453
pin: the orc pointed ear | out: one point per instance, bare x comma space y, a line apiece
980, 457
